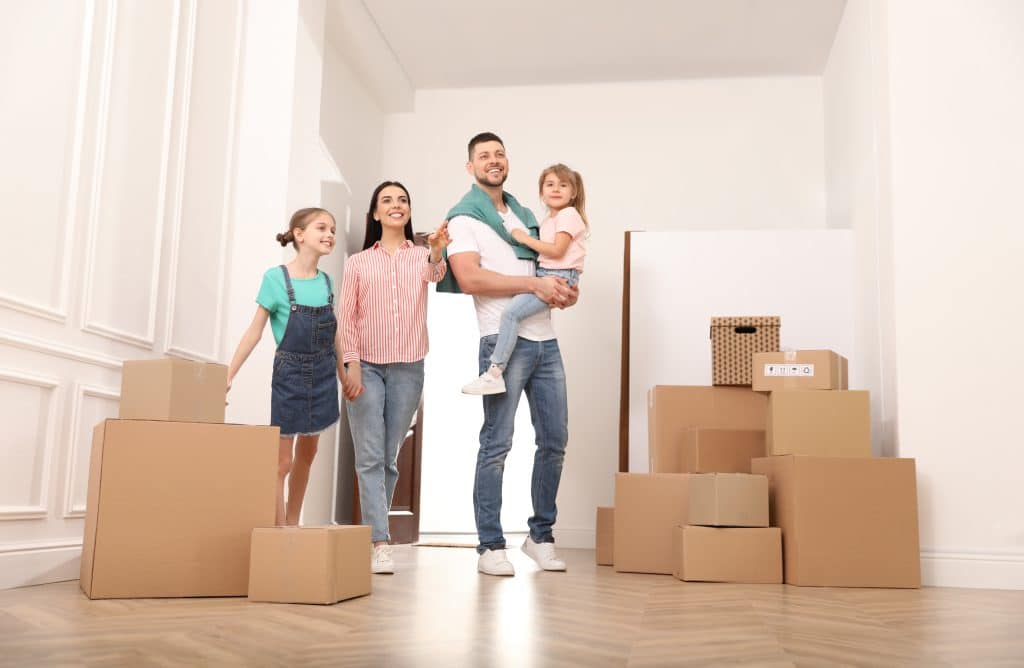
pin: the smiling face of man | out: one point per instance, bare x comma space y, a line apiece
488, 164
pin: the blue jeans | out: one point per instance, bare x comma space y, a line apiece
536, 368
522, 307
380, 419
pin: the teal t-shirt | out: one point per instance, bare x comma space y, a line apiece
273, 296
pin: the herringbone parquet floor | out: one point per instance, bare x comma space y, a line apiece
437, 611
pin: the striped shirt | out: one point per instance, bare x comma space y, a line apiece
384, 304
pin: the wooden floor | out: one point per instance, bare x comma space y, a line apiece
437, 611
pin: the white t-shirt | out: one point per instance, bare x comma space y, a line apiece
471, 235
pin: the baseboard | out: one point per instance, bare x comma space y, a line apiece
940, 568
25, 564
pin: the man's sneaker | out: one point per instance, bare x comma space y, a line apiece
487, 383
543, 554
495, 562
381, 561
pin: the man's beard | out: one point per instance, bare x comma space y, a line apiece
484, 182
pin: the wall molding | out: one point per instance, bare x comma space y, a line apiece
71, 185
37, 507
71, 472
36, 345
147, 339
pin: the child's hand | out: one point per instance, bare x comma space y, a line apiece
519, 235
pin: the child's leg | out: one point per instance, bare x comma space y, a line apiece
521, 307
284, 467
305, 451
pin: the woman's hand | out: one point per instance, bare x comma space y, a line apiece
352, 381
438, 241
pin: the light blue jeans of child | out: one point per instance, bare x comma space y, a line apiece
522, 307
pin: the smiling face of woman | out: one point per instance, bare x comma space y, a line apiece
392, 210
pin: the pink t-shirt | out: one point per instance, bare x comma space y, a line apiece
567, 220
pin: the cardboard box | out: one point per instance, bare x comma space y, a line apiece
709, 554
171, 507
605, 536
647, 507
846, 522
672, 410
800, 370
728, 500
701, 450
309, 564
823, 424
173, 389
734, 340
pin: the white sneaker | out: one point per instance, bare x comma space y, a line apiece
487, 383
381, 561
495, 562
543, 554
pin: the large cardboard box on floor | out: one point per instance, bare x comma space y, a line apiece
605, 536
173, 389
172, 505
702, 450
800, 370
846, 521
309, 564
647, 507
672, 410
734, 340
816, 423
728, 500
712, 554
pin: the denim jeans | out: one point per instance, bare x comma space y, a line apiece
522, 307
536, 368
380, 419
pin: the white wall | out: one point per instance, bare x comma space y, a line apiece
702, 154
955, 97
856, 170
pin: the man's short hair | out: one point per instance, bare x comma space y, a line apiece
481, 138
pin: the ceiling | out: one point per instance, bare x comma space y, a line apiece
469, 43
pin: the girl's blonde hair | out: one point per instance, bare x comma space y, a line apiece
300, 219
573, 177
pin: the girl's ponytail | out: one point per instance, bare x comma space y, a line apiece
286, 238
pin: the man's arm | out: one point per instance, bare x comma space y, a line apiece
475, 280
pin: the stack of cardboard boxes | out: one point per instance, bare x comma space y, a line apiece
175, 494
790, 426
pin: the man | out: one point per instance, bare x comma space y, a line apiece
486, 263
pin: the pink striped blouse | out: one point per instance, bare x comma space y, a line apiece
384, 304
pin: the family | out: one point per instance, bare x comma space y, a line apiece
490, 247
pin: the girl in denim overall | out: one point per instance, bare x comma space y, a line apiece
298, 300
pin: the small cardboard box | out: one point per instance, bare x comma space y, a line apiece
824, 424
171, 507
605, 536
728, 500
800, 370
734, 340
846, 521
708, 554
703, 450
647, 507
672, 410
173, 389
309, 564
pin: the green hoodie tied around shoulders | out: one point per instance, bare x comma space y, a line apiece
477, 204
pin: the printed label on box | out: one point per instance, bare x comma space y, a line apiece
789, 370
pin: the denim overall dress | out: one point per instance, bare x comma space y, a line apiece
304, 396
